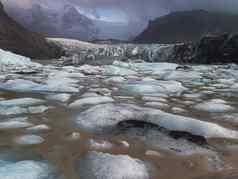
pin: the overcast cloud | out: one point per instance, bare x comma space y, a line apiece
135, 10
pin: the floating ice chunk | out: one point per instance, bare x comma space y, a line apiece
38, 128
110, 115
73, 136
90, 70
214, 106
153, 153
90, 94
157, 105
59, 81
22, 86
100, 145
54, 85
64, 97
6, 111
150, 88
21, 102
118, 71
27, 170
91, 101
114, 167
183, 75
154, 99
116, 79
9, 60
179, 146
178, 110
29, 140
37, 109
14, 124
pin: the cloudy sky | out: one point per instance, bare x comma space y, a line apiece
132, 10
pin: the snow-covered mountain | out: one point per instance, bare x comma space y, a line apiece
63, 21
69, 21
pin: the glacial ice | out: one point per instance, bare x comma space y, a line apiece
214, 106
90, 101
63, 97
11, 61
14, 124
26, 169
110, 115
150, 88
29, 140
21, 102
97, 165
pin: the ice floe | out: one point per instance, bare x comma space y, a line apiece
91, 101
27, 169
29, 140
11, 61
110, 115
21, 102
214, 106
114, 166
64, 97
150, 88
14, 124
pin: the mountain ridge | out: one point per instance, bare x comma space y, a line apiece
17, 39
187, 26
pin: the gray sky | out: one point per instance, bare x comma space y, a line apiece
135, 10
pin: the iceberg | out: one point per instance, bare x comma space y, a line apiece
9, 60
114, 166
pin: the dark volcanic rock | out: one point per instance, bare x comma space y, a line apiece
15, 38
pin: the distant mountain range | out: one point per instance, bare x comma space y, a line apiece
15, 38
68, 21
187, 26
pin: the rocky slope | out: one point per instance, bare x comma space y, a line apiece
15, 38
187, 26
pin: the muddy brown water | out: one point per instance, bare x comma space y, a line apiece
63, 153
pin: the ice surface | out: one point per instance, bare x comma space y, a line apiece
9, 60
21, 102
29, 140
64, 97
109, 115
26, 170
98, 165
150, 88
214, 106
91, 101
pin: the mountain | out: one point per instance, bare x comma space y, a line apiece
187, 26
65, 21
15, 38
